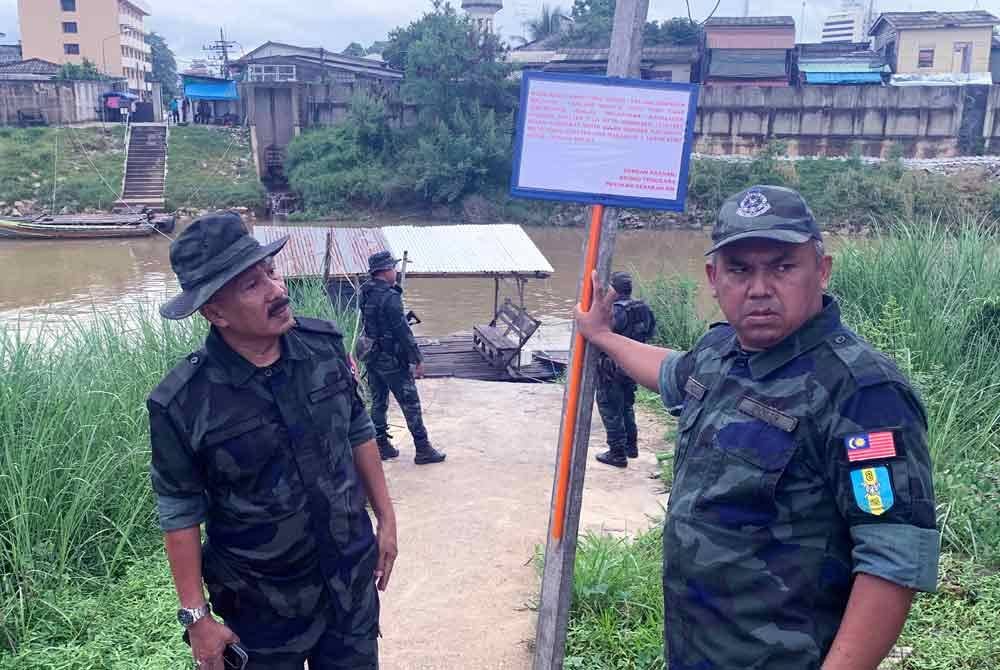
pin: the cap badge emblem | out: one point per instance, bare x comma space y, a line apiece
754, 204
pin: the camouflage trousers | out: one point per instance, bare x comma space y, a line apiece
616, 403
327, 647
403, 387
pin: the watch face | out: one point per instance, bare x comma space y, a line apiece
185, 617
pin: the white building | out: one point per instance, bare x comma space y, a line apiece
483, 12
850, 23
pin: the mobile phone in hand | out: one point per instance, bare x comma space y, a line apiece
235, 657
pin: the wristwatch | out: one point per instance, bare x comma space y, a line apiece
189, 617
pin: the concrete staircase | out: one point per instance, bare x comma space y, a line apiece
145, 168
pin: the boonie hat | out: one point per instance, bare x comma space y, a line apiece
766, 212
211, 252
383, 260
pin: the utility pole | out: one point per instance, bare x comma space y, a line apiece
624, 60
220, 51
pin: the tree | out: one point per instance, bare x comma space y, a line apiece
354, 49
546, 24
673, 32
449, 62
164, 65
592, 23
85, 71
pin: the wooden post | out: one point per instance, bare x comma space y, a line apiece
624, 60
402, 271
326, 267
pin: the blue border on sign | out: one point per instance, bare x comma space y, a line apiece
676, 205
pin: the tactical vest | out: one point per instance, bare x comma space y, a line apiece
372, 303
640, 324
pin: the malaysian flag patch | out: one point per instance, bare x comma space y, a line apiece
870, 446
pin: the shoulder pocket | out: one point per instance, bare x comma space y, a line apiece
233, 430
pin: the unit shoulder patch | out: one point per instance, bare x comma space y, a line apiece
873, 490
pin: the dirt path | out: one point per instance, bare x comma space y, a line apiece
468, 528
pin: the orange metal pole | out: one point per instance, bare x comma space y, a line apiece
576, 377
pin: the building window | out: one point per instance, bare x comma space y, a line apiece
271, 73
68, 5
71, 49
69, 27
925, 57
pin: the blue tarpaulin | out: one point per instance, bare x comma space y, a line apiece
843, 77
210, 90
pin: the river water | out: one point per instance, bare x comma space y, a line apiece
49, 280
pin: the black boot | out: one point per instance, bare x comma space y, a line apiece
632, 450
426, 455
386, 450
614, 458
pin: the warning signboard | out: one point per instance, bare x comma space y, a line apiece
600, 140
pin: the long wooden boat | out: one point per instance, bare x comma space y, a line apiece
162, 222
32, 230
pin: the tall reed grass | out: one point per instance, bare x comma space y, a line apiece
75, 500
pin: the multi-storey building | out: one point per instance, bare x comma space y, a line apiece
108, 33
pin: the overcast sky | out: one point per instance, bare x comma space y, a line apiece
189, 24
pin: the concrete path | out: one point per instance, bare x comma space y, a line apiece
465, 579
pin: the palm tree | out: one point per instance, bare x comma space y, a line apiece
546, 23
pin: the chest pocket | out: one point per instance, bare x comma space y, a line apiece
331, 396
752, 447
249, 465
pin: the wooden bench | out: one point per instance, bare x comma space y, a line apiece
31, 117
501, 342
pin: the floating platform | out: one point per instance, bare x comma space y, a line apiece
456, 356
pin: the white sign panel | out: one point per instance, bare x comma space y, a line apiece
600, 140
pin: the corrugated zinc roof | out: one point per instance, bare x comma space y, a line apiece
747, 63
438, 251
752, 21
840, 65
467, 250
936, 19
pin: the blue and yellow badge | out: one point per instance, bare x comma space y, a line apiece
873, 490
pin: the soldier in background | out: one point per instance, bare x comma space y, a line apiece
801, 518
262, 437
393, 350
615, 389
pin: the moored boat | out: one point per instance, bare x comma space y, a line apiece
34, 230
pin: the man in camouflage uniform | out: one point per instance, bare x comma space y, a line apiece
616, 390
394, 350
262, 437
801, 519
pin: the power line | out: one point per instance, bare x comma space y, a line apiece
219, 52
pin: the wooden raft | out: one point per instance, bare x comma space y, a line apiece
456, 356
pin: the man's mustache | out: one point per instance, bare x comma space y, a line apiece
278, 306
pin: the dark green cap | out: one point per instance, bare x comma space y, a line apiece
765, 212
209, 254
382, 260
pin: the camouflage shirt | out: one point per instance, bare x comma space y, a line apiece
385, 322
796, 468
264, 458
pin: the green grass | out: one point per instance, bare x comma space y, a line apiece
76, 509
29, 162
211, 168
929, 297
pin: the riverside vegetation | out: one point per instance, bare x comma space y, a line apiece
930, 298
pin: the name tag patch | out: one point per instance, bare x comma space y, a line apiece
695, 388
769, 415
873, 490
870, 446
